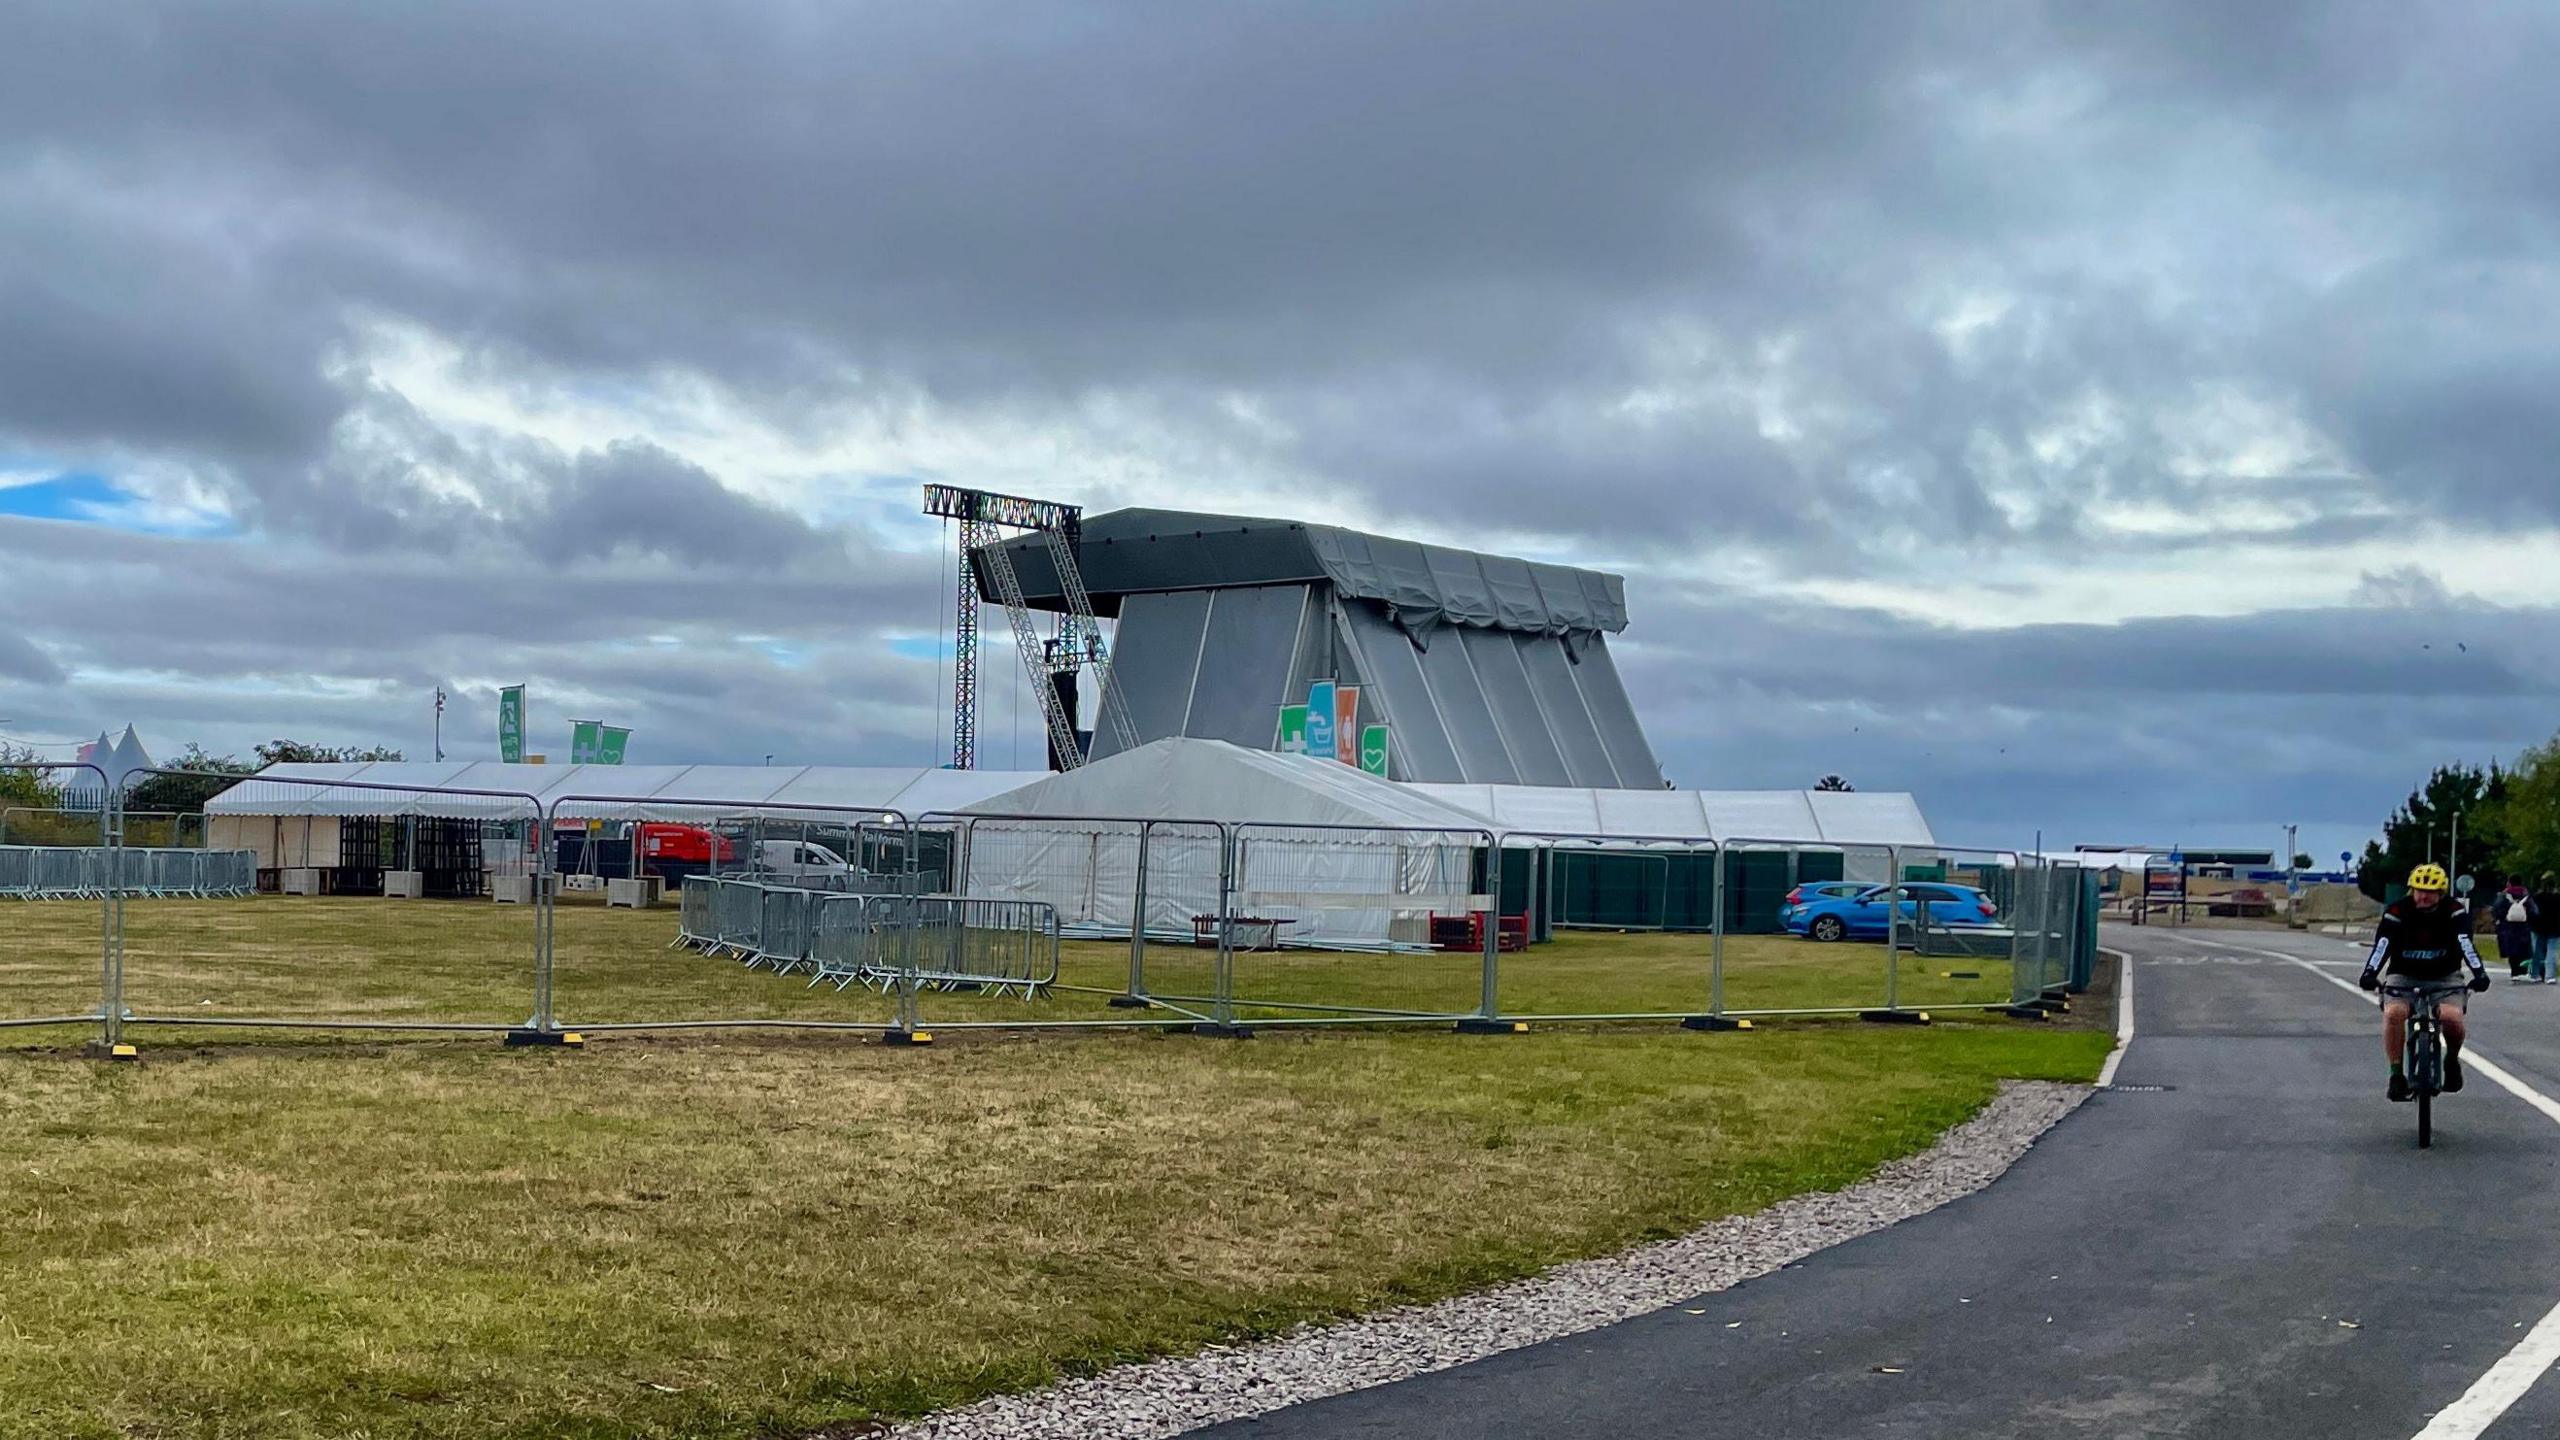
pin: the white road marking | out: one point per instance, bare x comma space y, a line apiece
2124, 1016
2494, 1393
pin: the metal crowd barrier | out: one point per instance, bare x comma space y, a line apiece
45, 872
939, 942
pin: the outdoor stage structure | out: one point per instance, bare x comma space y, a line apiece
1485, 669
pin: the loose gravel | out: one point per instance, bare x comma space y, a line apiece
1168, 1397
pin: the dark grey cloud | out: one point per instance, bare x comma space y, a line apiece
1493, 208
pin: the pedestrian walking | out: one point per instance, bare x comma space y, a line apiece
2513, 911
2546, 929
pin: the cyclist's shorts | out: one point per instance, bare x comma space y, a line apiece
2459, 1001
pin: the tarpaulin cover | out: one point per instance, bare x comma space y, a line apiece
1137, 552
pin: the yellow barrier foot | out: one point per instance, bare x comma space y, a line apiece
2026, 1012
1894, 1017
907, 1037
1477, 1025
123, 1052
1714, 1022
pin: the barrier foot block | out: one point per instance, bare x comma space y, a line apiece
1714, 1022
1894, 1017
907, 1037
1129, 1002
2026, 1012
1477, 1025
1222, 1032
562, 1039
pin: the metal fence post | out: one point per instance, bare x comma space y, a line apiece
111, 924
1135, 997
1489, 993
1222, 1007
543, 1028
1893, 1013
1715, 1018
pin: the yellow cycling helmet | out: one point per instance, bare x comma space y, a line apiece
2430, 877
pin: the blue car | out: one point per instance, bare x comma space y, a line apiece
1861, 915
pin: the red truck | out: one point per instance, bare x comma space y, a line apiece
675, 851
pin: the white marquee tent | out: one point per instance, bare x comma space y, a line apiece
1347, 858
652, 792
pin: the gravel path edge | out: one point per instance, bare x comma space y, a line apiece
1161, 1398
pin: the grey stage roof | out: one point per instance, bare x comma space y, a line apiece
1487, 670
1130, 552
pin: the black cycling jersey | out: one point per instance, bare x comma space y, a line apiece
2427, 944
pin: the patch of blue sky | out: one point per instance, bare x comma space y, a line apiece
83, 498
784, 654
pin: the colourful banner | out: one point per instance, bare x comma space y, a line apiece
609, 750
1346, 723
1320, 718
1293, 729
1373, 750
511, 724
585, 738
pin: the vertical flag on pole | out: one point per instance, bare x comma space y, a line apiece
1320, 733
1293, 729
1373, 750
585, 738
1346, 724
609, 749
511, 725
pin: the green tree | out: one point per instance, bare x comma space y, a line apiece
2422, 828
295, 752
2529, 812
19, 786
2303, 862
204, 776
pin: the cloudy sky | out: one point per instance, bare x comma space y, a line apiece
2134, 421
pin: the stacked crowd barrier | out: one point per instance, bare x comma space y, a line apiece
61, 872
939, 942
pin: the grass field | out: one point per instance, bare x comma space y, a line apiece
363, 959
715, 1234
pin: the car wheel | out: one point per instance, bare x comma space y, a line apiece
1829, 928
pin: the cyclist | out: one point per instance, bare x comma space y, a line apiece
2422, 938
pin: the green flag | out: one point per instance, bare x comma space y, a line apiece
511, 725
1293, 729
1373, 750
585, 738
609, 750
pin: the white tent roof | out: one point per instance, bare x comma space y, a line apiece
663, 792
1800, 816
1185, 779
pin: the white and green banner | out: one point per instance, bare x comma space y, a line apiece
1293, 729
1373, 750
609, 749
511, 725
586, 737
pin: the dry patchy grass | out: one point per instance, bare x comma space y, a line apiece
716, 1235
669, 1238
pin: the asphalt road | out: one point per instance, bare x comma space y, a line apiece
2259, 1250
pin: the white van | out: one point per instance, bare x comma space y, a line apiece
799, 858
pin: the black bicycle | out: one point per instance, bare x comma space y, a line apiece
2422, 1058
